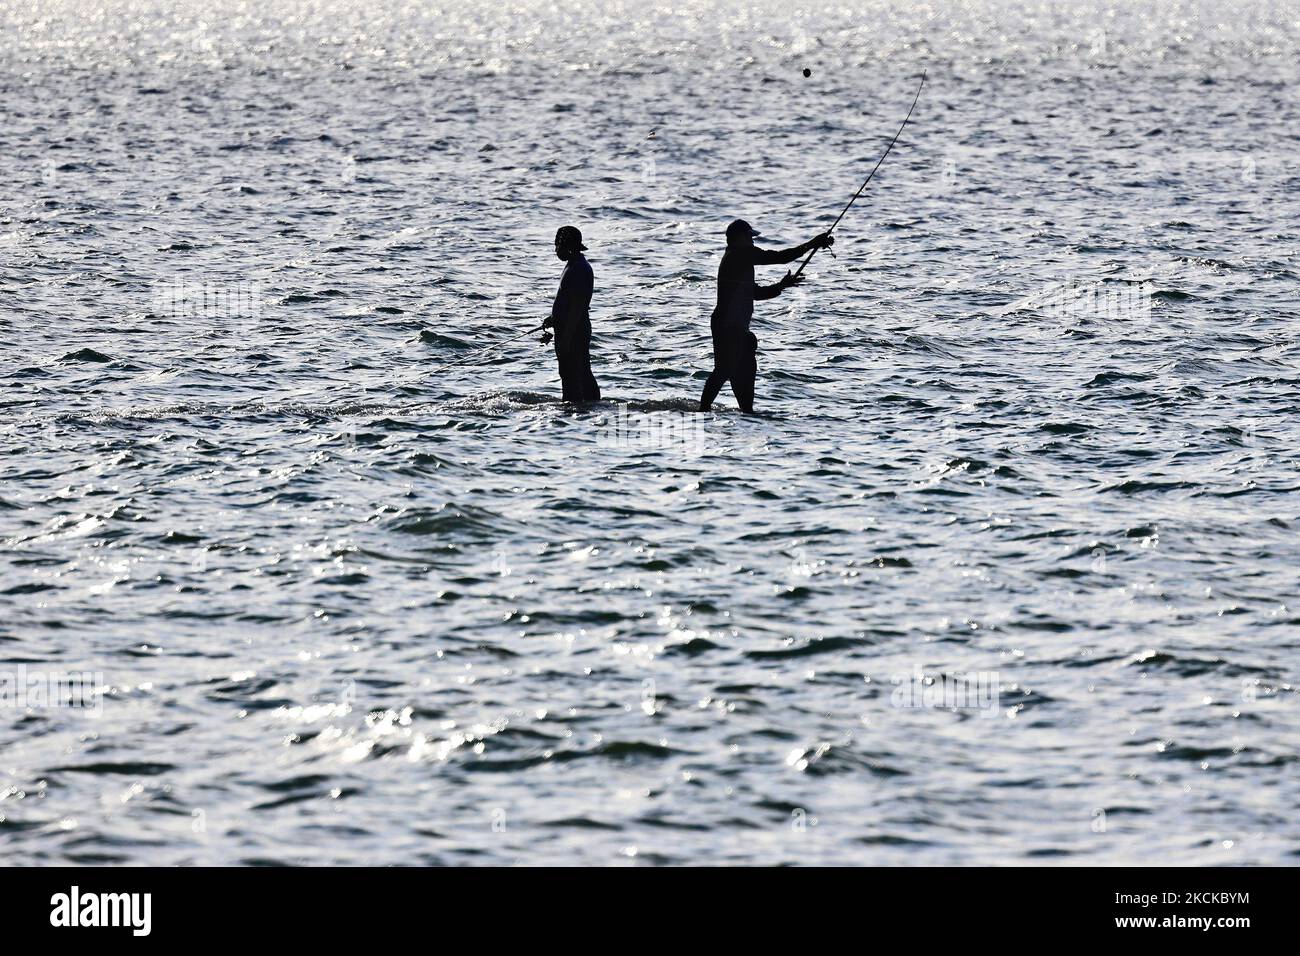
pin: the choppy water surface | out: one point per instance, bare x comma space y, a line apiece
1035, 423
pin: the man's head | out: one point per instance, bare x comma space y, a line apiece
741, 233
568, 242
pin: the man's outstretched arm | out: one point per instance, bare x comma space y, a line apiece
772, 291
773, 257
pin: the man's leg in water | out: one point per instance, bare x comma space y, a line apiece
742, 381
590, 387
712, 385
722, 361
570, 383
575, 373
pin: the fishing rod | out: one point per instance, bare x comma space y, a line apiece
813, 252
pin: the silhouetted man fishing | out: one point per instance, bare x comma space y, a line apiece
734, 346
571, 319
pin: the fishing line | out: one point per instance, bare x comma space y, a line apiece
861, 188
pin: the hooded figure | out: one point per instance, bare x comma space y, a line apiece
571, 320
734, 347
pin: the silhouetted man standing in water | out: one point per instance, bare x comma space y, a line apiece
571, 319
734, 346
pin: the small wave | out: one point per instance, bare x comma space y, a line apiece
1133, 486
86, 355
447, 520
1113, 378
812, 648
130, 768
300, 298
437, 338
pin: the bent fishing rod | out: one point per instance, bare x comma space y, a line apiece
863, 187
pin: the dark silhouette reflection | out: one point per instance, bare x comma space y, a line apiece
734, 347
571, 319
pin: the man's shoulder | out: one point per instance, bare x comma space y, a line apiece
578, 266
735, 259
